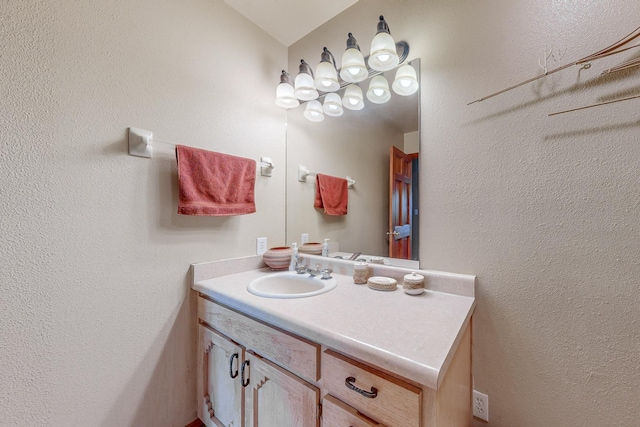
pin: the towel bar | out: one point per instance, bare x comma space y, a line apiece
303, 173
140, 145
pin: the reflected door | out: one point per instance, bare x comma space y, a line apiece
400, 203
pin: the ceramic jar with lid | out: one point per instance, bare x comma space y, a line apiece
360, 273
413, 283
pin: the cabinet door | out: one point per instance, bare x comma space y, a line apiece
220, 394
277, 398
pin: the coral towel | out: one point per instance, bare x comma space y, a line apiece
214, 184
331, 194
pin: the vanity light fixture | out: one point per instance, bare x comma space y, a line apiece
304, 86
326, 74
332, 105
352, 99
378, 92
313, 111
406, 81
385, 55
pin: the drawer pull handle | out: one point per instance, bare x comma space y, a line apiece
244, 364
231, 374
370, 394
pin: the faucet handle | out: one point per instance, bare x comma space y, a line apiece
300, 267
326, 273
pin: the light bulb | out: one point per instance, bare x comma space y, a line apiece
384, 54
406, 81
353, 69
285, 97
352, 98
313, 111
332, 105
326, 77
378, 92
304, 85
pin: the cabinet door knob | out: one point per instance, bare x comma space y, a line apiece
244, 364
231, 373
370, 394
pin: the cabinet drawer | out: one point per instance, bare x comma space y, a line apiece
396, 403
336, 413
295, 354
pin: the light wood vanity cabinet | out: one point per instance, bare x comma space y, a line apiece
237, 386
286, 375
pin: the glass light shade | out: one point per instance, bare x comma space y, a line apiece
353, 68
378, 92
305, 89
285, 97
383, 56
326, 77
313, 112
406, 82
333, 105
352, 98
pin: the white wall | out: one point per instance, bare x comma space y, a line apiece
543, 209
412, 142
96, 317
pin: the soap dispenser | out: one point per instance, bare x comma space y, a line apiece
325, 248
294, 257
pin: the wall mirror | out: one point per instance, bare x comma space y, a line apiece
365, 145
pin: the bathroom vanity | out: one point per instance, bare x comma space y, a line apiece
349, 357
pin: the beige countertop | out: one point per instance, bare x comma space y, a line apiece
412, 336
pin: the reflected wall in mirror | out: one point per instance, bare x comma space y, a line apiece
382, 217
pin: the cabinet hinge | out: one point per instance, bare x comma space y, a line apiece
319, 411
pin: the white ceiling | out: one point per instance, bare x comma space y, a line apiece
289, 20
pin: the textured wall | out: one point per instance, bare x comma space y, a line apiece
543, 209
97, 325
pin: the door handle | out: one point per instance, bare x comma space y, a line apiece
231, 373
392, 233
244, 382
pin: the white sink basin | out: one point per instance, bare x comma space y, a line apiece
289, 284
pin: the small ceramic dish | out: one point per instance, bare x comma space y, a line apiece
379, 283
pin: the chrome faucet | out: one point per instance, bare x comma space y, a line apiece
326, 273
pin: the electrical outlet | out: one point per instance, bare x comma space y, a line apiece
261, 245
304, 238
480, 404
